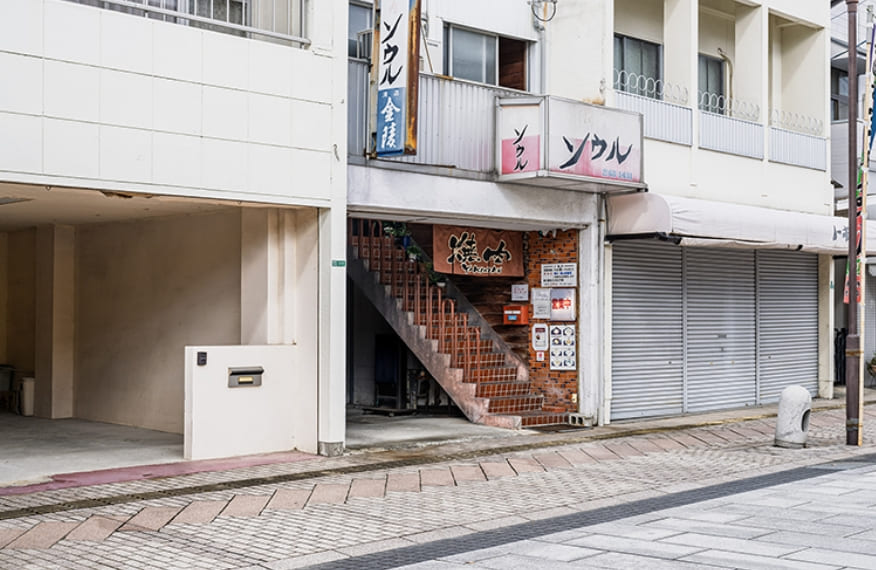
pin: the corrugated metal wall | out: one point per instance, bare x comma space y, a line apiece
696, 329
647, 330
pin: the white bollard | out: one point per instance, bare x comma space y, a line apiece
792, 424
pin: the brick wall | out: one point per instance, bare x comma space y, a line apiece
558, 386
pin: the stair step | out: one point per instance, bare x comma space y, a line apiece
531, 419
515, 404
490, 359
493, 374
498, 389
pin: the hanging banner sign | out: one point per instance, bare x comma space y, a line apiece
398, 76
477, 252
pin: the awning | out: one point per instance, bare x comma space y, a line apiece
720, 224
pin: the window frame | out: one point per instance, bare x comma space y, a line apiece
620, 68
838, 101
351, 38
448, 53
716, 109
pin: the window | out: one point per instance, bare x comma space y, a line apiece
485, 58
839, 95
711, 84
639, 66
359, 31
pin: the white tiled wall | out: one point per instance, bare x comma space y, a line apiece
113, 98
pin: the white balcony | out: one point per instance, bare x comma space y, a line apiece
272, 20
664, 106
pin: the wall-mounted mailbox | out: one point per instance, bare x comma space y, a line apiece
515, 315
244, 377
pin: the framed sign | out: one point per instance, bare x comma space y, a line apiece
564, 347
541, 303
559, 275
562, 304
520, 292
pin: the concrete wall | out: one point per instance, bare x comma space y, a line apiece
20, 321
366, 323
108, 100
145, 290
641, 19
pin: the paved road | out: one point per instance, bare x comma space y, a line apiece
715, 494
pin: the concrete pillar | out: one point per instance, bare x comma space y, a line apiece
680, 49
332, 259
55, 303
826, 292
589, 322
580, 32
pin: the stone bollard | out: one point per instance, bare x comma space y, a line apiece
792, 424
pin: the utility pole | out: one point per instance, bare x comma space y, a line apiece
853, 340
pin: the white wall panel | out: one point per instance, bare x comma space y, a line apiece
125, 154
270, 119
225, 113
269, 66
125, 99
21, 149
61, 19
26, 95
176, 106
72, 91
225, 60
177, 52
21, 27
125, 43
71, 148
224, 164
176, 159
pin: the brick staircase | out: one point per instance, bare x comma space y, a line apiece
482, 375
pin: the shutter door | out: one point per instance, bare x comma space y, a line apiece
720, 328
646, 312
787, 284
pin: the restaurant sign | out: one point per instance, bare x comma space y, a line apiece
557, 138
477, 252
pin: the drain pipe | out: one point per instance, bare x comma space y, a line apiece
604, 388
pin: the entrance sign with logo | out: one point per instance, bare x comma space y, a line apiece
477, 252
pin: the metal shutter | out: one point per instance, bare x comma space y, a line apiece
720, 319
787, 285
647, 347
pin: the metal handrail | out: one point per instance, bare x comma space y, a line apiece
187, 17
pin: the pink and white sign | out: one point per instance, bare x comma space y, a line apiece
520, 138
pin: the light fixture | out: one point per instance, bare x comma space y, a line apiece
539, 11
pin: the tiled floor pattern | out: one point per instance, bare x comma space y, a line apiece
272, 523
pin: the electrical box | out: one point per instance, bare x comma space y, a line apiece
245, 377
515, 315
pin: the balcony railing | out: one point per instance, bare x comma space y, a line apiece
730, 125
798, 149
456, 121
663, 105
273, 20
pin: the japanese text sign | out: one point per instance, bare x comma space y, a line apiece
477, 252
398, 37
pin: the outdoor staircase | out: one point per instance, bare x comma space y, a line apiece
471, 362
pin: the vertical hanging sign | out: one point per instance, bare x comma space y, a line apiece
398, 75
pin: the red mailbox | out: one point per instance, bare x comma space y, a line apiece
515, 315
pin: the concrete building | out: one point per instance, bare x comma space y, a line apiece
172, 198
711, 290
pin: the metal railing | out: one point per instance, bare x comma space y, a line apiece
719, 104
644, 86
410, 282
796, 122
456, 121
731, 135
661, 120
798, 149
274, 20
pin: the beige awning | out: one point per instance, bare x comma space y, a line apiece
721, 224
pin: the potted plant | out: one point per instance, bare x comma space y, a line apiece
871, 366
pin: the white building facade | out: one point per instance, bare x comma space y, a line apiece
173, 190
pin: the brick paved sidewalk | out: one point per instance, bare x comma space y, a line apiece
356, 508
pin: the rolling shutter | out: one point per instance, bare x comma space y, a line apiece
720, 297
787, 284
647, 347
